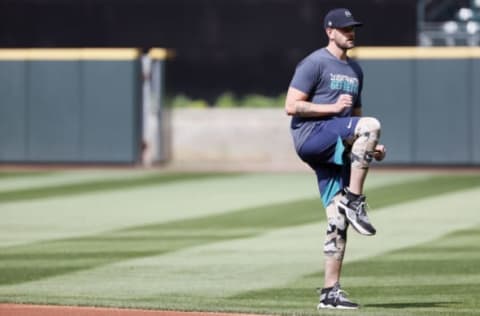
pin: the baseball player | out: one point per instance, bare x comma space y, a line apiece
332, 137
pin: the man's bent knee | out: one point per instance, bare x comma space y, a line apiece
367, 133
367, 126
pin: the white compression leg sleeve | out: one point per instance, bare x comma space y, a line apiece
367, 134
336, 238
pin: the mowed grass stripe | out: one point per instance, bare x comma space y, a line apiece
37, 260
101, 186
308, 210
208, 276
38, 179
22, 185
90, 214
18, 186
396, 283
58, 218
422, 188
7, 174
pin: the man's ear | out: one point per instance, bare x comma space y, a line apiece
329, 31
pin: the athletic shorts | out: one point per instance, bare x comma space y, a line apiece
326, 152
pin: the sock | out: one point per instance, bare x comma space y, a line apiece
351, 196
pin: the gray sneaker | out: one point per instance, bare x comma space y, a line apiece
356, 214
335, 298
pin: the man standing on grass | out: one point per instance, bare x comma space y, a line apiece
332, 137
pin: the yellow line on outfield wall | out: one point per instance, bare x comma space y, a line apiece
70, 54
415, 52
161, 53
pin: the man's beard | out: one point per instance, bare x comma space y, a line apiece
345, 46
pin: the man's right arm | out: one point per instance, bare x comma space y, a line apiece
296, 104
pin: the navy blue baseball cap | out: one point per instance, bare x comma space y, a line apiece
338, 18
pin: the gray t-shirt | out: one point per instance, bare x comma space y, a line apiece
324, 78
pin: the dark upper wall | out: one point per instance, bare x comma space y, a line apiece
245, 46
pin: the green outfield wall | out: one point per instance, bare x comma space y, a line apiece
85, 106
70, 105
428, 100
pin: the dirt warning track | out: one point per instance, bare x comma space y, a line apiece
50, 310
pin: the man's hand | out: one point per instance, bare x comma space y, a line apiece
344, 101
380, 152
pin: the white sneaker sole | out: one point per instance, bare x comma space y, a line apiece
323, 306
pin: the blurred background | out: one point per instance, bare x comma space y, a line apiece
204, 83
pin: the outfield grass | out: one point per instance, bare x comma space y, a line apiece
235, 242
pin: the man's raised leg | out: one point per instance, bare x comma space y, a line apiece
353, 205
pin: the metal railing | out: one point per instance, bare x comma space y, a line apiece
448, 23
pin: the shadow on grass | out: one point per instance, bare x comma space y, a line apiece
411, 305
